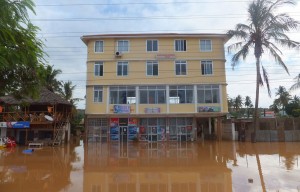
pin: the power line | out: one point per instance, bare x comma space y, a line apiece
135, 3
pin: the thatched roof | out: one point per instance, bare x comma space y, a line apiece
46, 98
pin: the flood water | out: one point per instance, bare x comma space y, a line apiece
202, 166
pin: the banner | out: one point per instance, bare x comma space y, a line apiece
121, 108
16, 125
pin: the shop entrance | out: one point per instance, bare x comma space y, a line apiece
152, 137
123, 133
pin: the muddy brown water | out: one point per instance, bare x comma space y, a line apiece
204, 166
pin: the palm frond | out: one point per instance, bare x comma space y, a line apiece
277, 58
266, 79
297, 84
243, 52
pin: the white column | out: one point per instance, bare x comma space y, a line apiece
209, 125
107, 100
137, 99
233, 131
195, 98
167, 98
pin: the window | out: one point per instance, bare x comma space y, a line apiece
180, 45
181, 94
205, 45
98, 90
122, 95
98, 46
123, 46
208, 94
152, 94
152, 68
180, 67
122, 68
98, 68
206, 68
152, 45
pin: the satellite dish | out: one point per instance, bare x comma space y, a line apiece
49, 118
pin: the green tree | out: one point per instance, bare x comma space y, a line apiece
283, 98
264, 32
293, 107
48, 77
238, 103
66, 91
248, 104
21, 51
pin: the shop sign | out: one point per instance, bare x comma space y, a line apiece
121, 108
15, 124
209, 109
152, 110
132, 121
165, 56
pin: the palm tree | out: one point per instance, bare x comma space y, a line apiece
67, 92
238, 102
283, 99
49, 78
297, 84
248, 104
264, 32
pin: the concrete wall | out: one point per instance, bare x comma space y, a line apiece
270, 130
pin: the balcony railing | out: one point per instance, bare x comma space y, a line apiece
33, 116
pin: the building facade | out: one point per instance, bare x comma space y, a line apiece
155, 87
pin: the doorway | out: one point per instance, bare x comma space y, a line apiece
123, 133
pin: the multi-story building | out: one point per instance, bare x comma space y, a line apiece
155, 87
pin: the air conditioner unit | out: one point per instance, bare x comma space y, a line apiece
118, 54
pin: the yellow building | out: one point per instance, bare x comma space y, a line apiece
155, 87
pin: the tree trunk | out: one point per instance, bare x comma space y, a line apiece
256, 115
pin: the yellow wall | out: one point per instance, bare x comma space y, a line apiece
137, 57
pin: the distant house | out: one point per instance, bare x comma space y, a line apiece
45, 119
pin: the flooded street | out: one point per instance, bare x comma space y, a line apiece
207, 166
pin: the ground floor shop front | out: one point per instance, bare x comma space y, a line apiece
152, 129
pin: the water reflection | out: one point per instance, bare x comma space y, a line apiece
153, 167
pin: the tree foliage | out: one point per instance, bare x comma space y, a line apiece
265, 31
21, 51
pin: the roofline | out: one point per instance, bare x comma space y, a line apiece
86, 38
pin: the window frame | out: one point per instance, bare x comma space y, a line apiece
182, 46
152, 63
204, 49
209, 90
101, 46
122, 63
118, 46
101, 69
156, 90
99, 90
180, 63
204, 68
130, 94
187, 90
152, 46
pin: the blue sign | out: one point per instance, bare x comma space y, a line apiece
18, 124
121, 108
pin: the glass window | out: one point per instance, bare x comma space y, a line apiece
123, 46
98, 68
122, 68
208, 94
205, 45
98, 90
180, 45
98, 46
181, 94
122, 95
152, 68
152, 45
180, 67
206, 68
152, 94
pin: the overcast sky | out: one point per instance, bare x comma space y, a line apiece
63, 22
